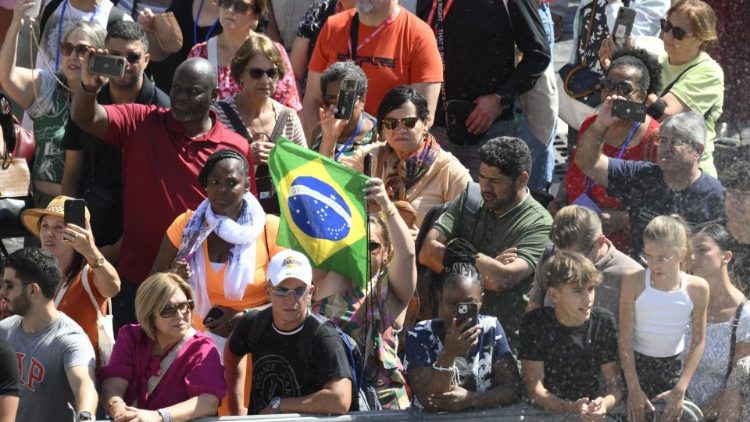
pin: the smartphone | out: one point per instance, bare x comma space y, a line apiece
368, 165
623, 26
628, 110
466, 311
347, 98
105, 65
74, 212
213, 315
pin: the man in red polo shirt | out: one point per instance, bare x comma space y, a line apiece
163, 150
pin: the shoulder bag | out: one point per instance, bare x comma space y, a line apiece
103, 322
15, 177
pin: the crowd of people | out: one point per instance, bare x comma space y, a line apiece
625, 290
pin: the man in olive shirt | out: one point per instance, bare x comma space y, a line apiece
507, 218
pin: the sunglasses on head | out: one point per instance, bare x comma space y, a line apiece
622, 88
678, 33
130, 57
239, 6
171, 310
408, 122
257, 73
284, 292
66, 48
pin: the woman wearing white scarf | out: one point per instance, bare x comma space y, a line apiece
227, 234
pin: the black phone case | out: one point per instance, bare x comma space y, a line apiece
74, 212
109, 66
623, 25
628, 110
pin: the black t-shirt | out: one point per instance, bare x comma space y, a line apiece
572, 356
278, 370
8, 371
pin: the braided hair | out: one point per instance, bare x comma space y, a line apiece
218, 156
459, 261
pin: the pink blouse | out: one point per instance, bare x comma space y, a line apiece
196, 369
286, 89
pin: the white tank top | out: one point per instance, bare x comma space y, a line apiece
662, 319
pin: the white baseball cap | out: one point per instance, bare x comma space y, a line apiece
289, 264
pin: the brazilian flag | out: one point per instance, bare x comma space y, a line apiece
322, 210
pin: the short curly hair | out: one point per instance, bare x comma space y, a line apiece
509, 154
647, 65
254, 45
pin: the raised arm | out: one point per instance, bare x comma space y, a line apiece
21, 84
105, 279
311, 105
589, 157
85, 111
431, 92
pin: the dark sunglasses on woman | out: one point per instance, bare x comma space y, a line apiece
239, 6
408, 122
66, 48
678, 33
257, 73
171, 310
622, 88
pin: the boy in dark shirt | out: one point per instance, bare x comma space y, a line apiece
565, 349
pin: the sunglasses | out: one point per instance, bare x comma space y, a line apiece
649, 259
284, 292
408, 122
622, 88
674, 143
678, 33
66, 48
239, 6
374, 246
257, 73
171, 310
130, 57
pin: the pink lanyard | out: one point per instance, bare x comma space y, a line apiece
388, 21
447, 8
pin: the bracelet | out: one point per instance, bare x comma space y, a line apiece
442, 369
165, 416
657, 109
390, 212
95, 92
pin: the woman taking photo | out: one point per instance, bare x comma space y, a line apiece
633, 75
659, 308
46, 100
728, 321
240, 18
162, 369
456, 364
411, 163
374, 316
86, 276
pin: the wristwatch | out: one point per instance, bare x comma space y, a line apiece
84, 416
98, 263
276, 404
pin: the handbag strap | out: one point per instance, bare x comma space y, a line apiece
280, 124
354, 37
167, 362
590, 29
677, 79
235, 120
439, 33
87, 287
733, 339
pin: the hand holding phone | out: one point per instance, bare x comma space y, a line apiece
467, 311
347, 98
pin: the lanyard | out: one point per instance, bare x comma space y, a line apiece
350, 140
60, 29
446, 9
195, 25
620, 153
353, 40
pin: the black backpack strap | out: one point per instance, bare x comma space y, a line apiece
49, 9
235, 120
733, 340
469, 210
354, 37
115, 15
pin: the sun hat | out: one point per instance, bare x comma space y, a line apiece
32, 216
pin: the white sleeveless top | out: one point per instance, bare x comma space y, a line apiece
662, 319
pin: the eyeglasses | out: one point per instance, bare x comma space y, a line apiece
649, 259
674, 143
407, 122
66, 48
678, 33
171, 310
130, 57
257, 73
374, 246
622, 88
284, 292
239, 6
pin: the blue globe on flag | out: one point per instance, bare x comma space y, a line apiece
318, 210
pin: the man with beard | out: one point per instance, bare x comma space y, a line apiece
510, 231
55, 357
674, 185
93, 170
163, 152
391, 45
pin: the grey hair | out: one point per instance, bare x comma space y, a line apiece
344, 70
688, 126
93, 32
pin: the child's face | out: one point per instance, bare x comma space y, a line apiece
573, 302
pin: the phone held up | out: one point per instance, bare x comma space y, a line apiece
628, 110
74, 212
347, 98
623, 26
467, 311
106, 65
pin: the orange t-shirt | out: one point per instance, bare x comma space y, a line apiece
76, 304
255, 292
403, 53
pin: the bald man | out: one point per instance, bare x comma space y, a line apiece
163, 151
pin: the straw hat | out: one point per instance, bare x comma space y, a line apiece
32, 216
